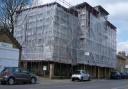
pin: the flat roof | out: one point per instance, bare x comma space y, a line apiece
71, 11
101, 9
111, 25
122, 57
88, 7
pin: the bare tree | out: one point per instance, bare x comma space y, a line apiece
8, 9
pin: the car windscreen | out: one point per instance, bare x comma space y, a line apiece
76, 72
12, 69
1, 68
115, 73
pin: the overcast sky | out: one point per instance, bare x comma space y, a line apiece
118, 10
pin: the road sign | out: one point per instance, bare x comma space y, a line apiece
44, 68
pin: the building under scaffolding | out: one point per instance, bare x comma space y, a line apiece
57, 40
97, 40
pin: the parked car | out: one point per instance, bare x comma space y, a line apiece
126, 75
80, 75
123, 75
12, 75
115, 75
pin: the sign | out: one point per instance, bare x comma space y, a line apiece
126, 66
44, 68
87, 53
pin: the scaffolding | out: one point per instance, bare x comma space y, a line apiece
48, 33
54, 33
97, 38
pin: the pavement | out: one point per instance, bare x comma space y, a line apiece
68, 84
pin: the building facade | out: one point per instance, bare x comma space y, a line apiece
57, 40
121, 62
97, 43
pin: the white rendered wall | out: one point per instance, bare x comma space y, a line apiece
9, 57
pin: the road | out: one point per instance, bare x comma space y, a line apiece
67, 84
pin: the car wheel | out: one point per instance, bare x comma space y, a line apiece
89, 78
73, 79
11, 81
33, 80
81, 79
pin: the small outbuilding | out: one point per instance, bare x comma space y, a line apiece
10, 49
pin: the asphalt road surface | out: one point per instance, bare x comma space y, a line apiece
67, 84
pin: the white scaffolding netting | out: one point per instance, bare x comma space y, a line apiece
51, 33
48, 33
99, 41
